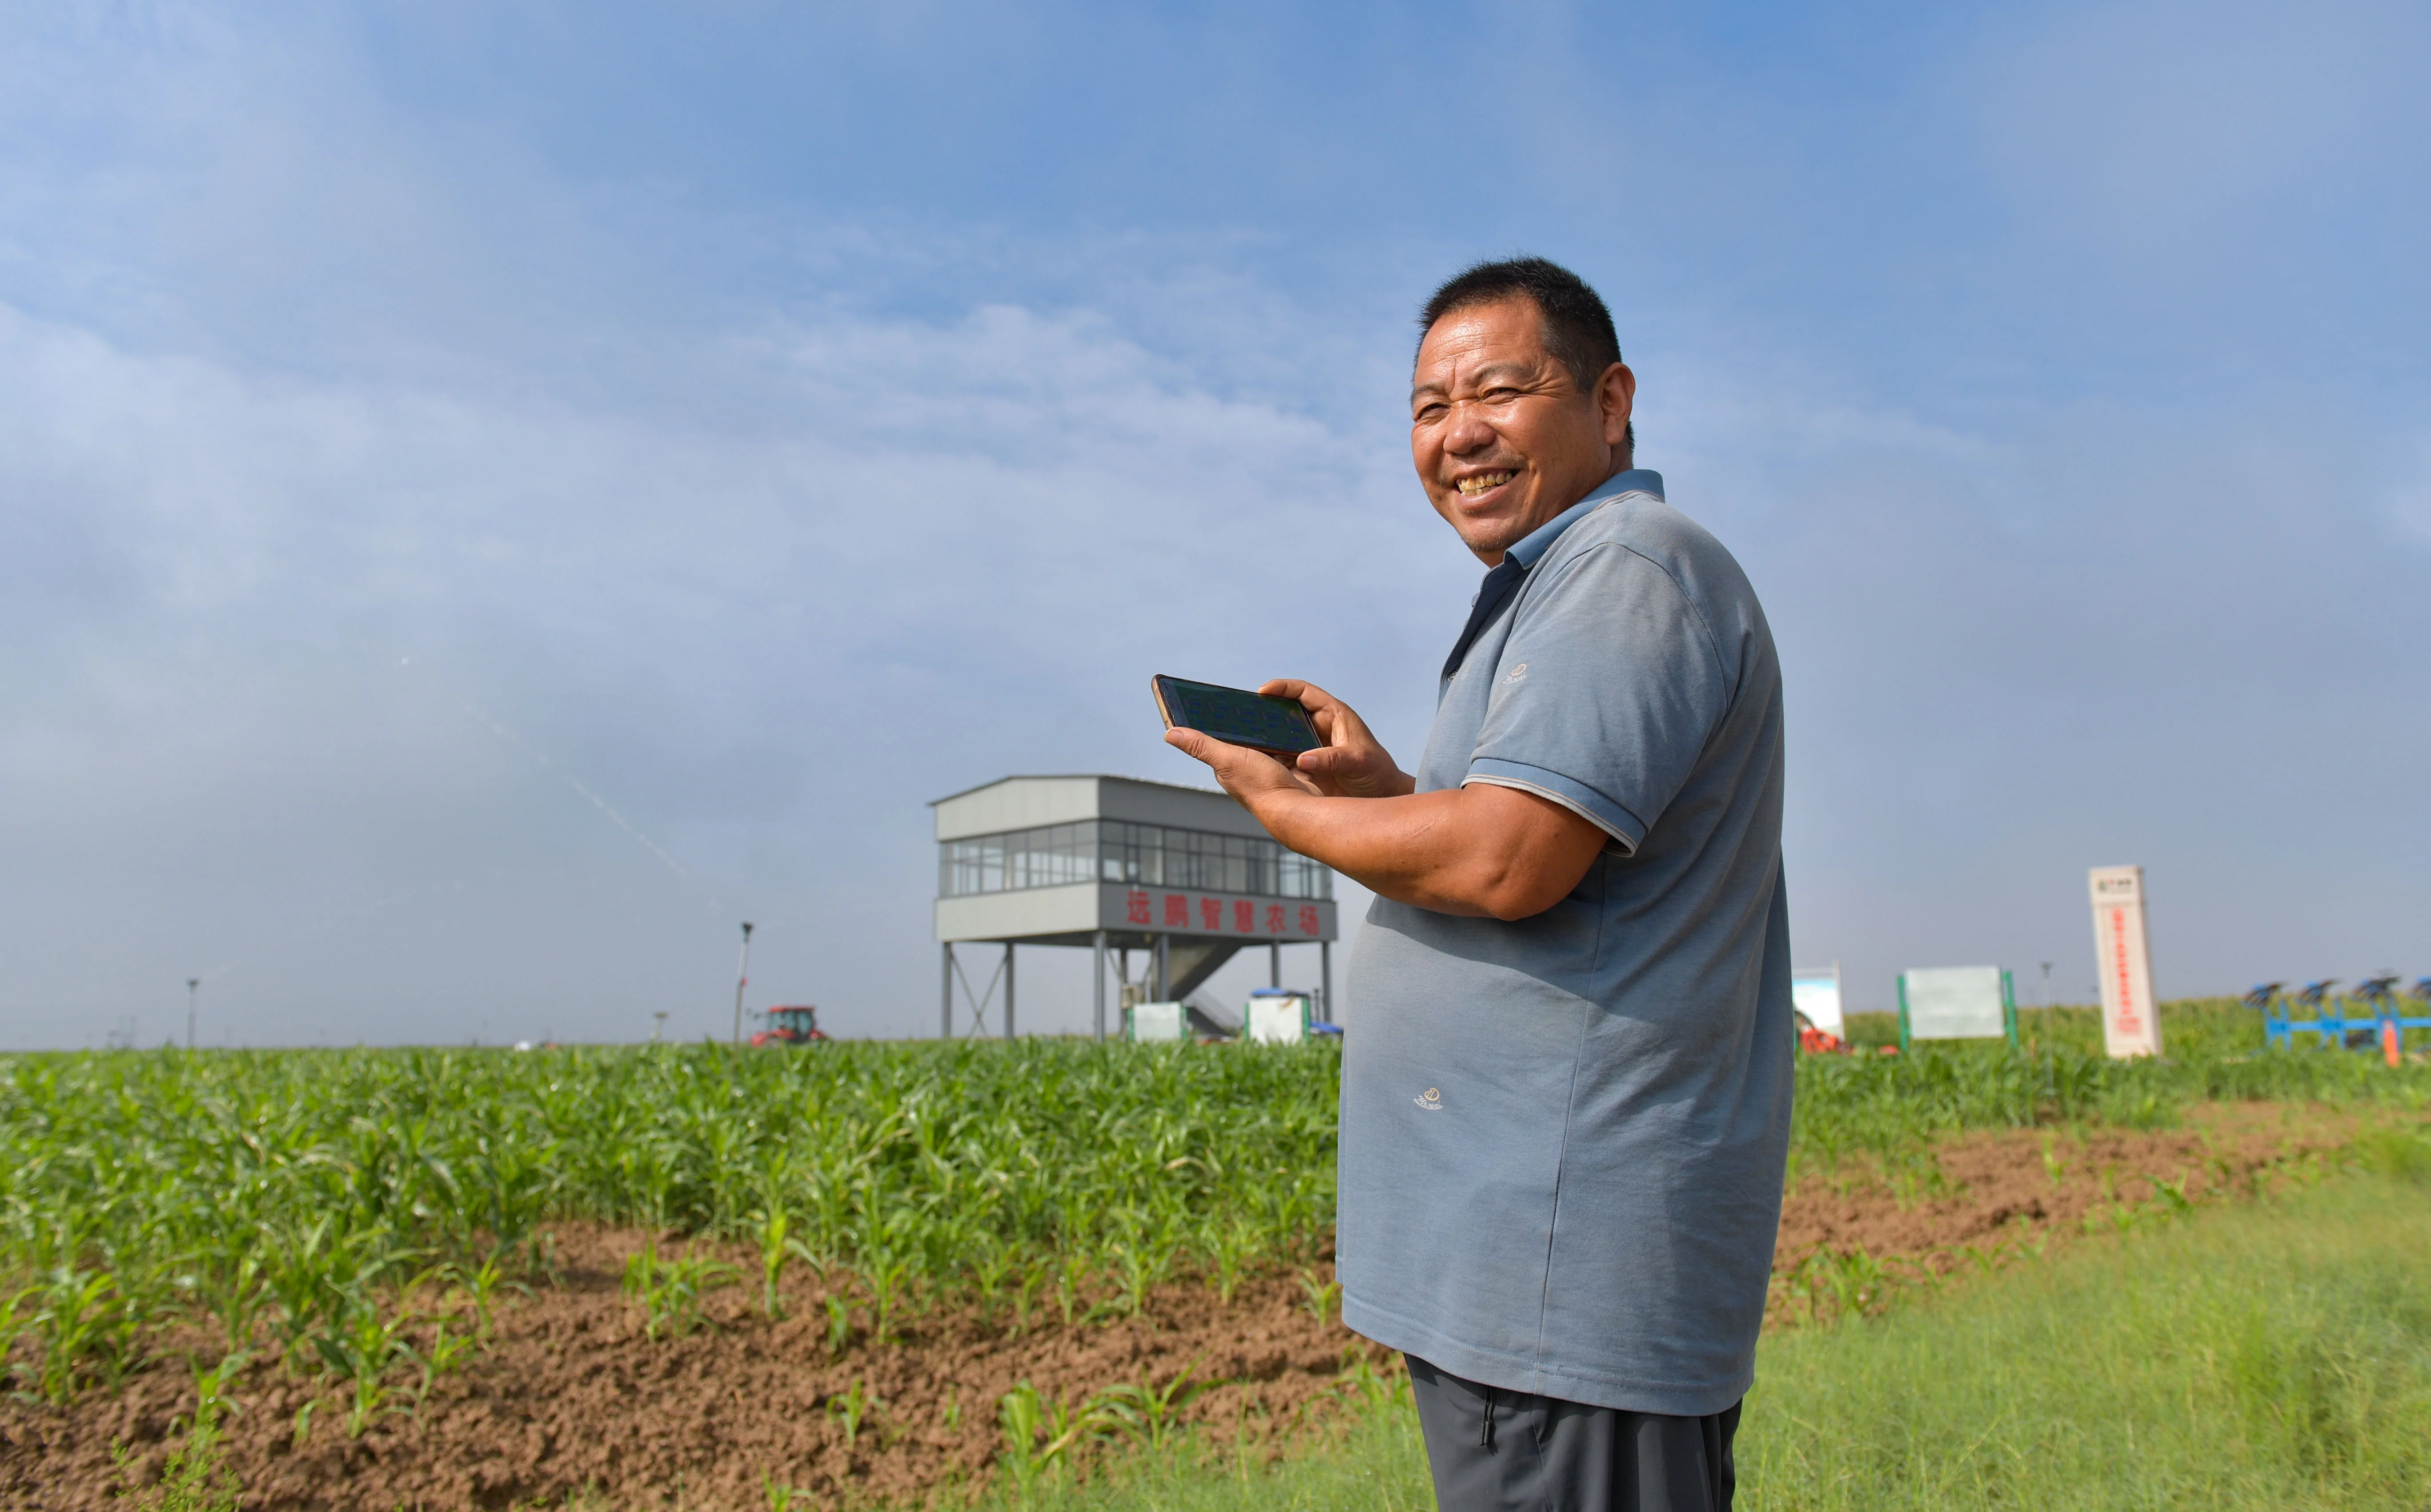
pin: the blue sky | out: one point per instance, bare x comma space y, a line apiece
489, 499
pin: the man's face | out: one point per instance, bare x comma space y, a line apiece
1502, 438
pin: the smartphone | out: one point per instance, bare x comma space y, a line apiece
1235, 716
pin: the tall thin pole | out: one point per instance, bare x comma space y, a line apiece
1007, 990
1325, 967
1274, 965
1101, 979
742, 974
946, 1000
193, 984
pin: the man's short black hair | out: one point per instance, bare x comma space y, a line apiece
1578, 328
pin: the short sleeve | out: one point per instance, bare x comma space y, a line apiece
1607, 692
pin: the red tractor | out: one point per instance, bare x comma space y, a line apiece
790, 1026
1816, 1042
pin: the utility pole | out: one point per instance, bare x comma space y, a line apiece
193, 984
742, 974
2047, 966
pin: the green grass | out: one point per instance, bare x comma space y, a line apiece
1379, 1465
2270, 1357
2275, 1356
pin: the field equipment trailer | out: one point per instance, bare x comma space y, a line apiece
2371, 1017
797, 1025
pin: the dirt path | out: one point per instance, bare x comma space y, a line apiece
570, 1399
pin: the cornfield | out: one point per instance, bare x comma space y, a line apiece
308, 1200
360, 1212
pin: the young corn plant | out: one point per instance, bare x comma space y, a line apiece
88, 1331
448, 1353
15, 1318
477, 1289
773, 1253
235, 1299
1135, 1269
1037, 1433
886, 1280
1021, 1414
1147, 1415
1230, 1247
367, 1350
839, 1323
1025, 1296
671, 1292
1324, 1296
989, 1271
846, 1408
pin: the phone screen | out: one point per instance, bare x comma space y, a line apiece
1237, 716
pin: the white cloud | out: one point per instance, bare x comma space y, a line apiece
913, 556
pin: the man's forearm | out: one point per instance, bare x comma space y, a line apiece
1480, 850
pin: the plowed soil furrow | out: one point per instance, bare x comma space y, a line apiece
570, 1398
570, 1401
1987, 1196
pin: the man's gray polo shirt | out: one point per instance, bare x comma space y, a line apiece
1563, 1137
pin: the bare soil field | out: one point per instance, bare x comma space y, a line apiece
1851, 1237
571, 1403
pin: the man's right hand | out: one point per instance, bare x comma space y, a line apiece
1350, 764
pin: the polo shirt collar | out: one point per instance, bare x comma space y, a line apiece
1505, 576
1537, 542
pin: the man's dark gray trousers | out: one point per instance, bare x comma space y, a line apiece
1496, 1451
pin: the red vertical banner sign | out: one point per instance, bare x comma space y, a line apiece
2131, 1021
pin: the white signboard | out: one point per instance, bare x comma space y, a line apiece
2131, 1023
1955, 1003
1817, 994
1276, 1020
1159, 1022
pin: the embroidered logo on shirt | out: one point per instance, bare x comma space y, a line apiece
1431, 1102
1518, 674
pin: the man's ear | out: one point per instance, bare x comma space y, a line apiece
1615, 394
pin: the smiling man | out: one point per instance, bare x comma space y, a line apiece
1565, 1091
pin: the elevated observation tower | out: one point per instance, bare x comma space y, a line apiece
1117, 865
